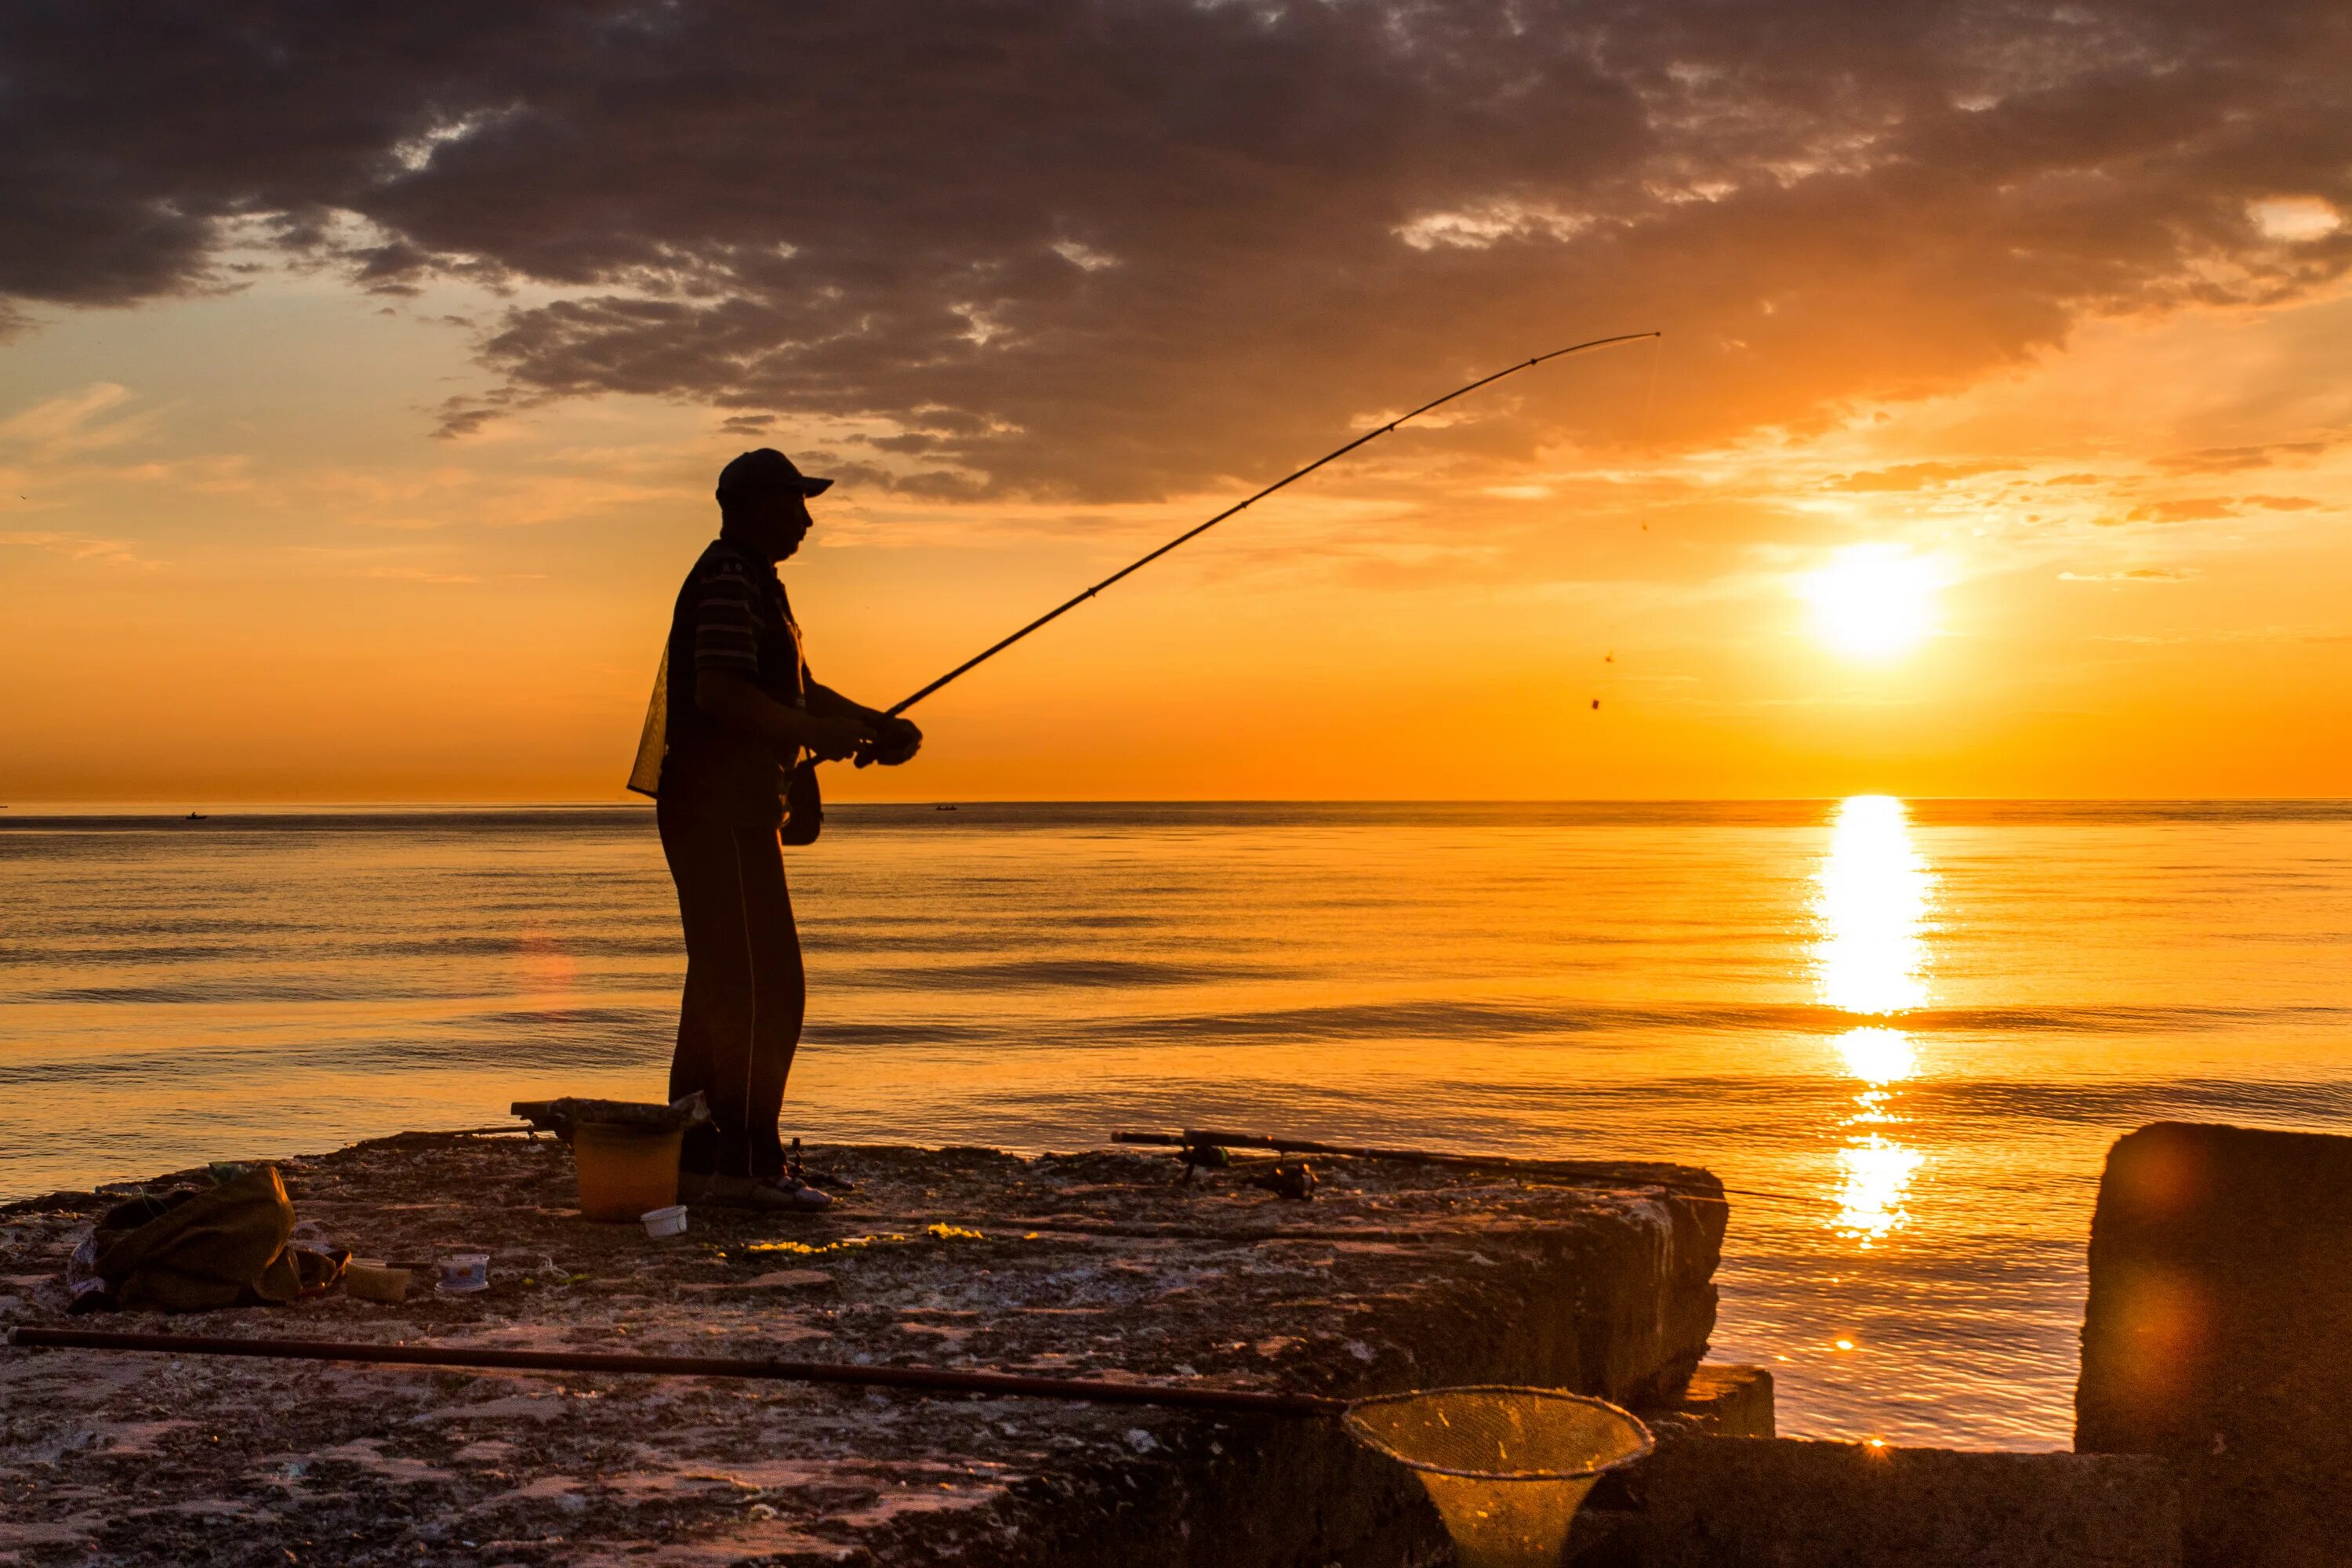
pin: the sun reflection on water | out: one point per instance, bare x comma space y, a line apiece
1872, 905
1872, 900
1875, 1174
1878, 1055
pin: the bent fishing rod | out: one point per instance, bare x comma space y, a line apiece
1194, 532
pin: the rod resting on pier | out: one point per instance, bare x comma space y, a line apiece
915, 1379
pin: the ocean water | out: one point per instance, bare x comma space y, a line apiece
1905, 1033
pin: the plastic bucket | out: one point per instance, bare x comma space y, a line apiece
624, 1170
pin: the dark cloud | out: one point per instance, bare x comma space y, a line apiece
1110, 249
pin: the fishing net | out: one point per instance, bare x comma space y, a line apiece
1506, 1467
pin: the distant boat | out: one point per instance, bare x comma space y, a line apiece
943, 808
196, 817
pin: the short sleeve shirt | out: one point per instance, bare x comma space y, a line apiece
731, 613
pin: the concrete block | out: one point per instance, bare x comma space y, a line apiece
1096, 1265
1728, 1401
2219, 1334
1720, 1401
1743, 1502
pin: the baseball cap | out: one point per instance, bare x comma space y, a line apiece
764, 473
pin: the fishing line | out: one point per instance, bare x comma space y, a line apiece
1649, 407
1194, 532
1608, 683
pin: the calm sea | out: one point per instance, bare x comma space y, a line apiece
1912, 1028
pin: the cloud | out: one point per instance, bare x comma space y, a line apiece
78, 547
1109, 249
2188, 509
419, 575
2203, 509
2135, 575
75, 422
1915, 476
2295, 217
2231, 460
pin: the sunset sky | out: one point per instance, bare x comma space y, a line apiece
363, 377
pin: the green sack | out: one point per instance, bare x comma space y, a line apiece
193, 1251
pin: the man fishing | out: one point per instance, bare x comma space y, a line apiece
740, 712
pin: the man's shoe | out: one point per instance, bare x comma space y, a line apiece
764, 1196
808, 1199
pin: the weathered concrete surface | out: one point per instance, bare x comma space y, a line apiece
1729, 1402
1091, 1263
1719, 1401
1739, 1502
2219, 1333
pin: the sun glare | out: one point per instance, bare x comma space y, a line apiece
1873, 601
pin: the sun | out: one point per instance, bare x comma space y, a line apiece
1873, 601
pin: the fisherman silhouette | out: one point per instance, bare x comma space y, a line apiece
734, 713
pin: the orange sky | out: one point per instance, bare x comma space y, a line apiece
237, 564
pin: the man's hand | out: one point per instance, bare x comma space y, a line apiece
830, 737
830, 732
888, 741
896, 741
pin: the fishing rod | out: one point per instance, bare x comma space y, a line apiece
915, 1379
1480, 1433
1194, 532
1622, 1175
1595, 1172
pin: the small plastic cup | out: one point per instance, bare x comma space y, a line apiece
463, 1273
670, 1221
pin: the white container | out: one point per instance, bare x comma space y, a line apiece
670, 1221
463, 1273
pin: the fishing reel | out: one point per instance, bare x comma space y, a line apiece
1290, 1179
1196, 1157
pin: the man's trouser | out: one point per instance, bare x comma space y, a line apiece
745, 993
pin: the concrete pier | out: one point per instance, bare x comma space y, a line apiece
1752, 1503
1095, 1265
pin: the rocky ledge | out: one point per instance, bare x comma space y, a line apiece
1098, 1265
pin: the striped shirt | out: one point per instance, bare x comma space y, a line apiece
731, 613
729, 610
